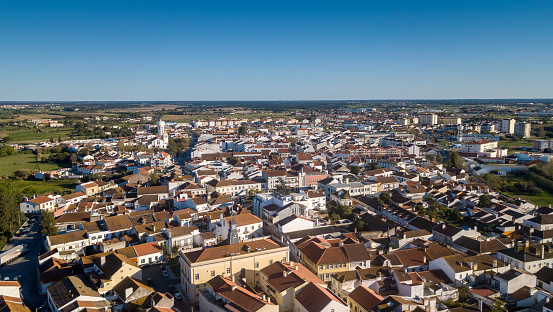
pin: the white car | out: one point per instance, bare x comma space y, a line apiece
178, 296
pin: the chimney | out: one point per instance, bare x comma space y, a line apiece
296, 267
233, 278
443, 226
102, 261
475, 266
495, 263
531, 230
233, 287
291, 263
526, 244
284, 273
404, 236
264, 297
424, 259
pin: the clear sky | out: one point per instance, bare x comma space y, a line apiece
275, 50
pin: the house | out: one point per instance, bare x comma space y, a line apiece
377, 278
71, 243
71, 292
315, 298
132, 291
109, 269
181, 236
222, 294
49, 272
544, 279
10, 289
530, 258
118, 225
446, 233
89, 188
325, 261
8, 303
363, 299
245, 258
248, 226
148, 253
512, 280
38, 205
468, 270
281, 280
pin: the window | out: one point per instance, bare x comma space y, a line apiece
257, 265
142, 261
212, 273
271, 261
228, 270
283, 259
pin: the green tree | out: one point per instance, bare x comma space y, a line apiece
439, 158
385, 198
282, 188
242, 130
483, 201
464, 293
455, 215
155, 178
10, 214
430, 157
48, 225
174, 249
355, 170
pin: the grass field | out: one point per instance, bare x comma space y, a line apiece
544, 198
525, 143
29, 188
10, 164
29, 136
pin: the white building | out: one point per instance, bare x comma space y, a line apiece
522, 129
429, 119
507, 126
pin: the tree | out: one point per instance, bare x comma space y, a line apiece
10, 215
385, 197
484, 201
242, 130
455, 215
430, 157
154, 178
59, 139
52, 140
48, 225
174, 249
282, 188
355, 170
439, 158
464, 293
73, 158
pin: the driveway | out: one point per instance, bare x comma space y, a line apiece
24, 268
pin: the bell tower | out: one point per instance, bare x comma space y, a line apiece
233, 231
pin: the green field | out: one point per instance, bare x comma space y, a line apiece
544, 198
10, 164
189, 118
29, 188
22, 135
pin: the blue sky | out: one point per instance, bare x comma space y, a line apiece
275, 50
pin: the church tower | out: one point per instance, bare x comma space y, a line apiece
233, 231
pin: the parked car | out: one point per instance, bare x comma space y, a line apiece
165, 273
178, 296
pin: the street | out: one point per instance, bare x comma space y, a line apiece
161, 284
24, 268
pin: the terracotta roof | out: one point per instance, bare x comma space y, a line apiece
237, 296
67, 237
219, 252
315, 298
320, 255
41, 200
282, 276
245, 219
147, 249
365, 297
118, 223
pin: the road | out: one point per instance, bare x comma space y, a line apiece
162, 283
24, 268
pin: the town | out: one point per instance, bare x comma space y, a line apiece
376, 207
